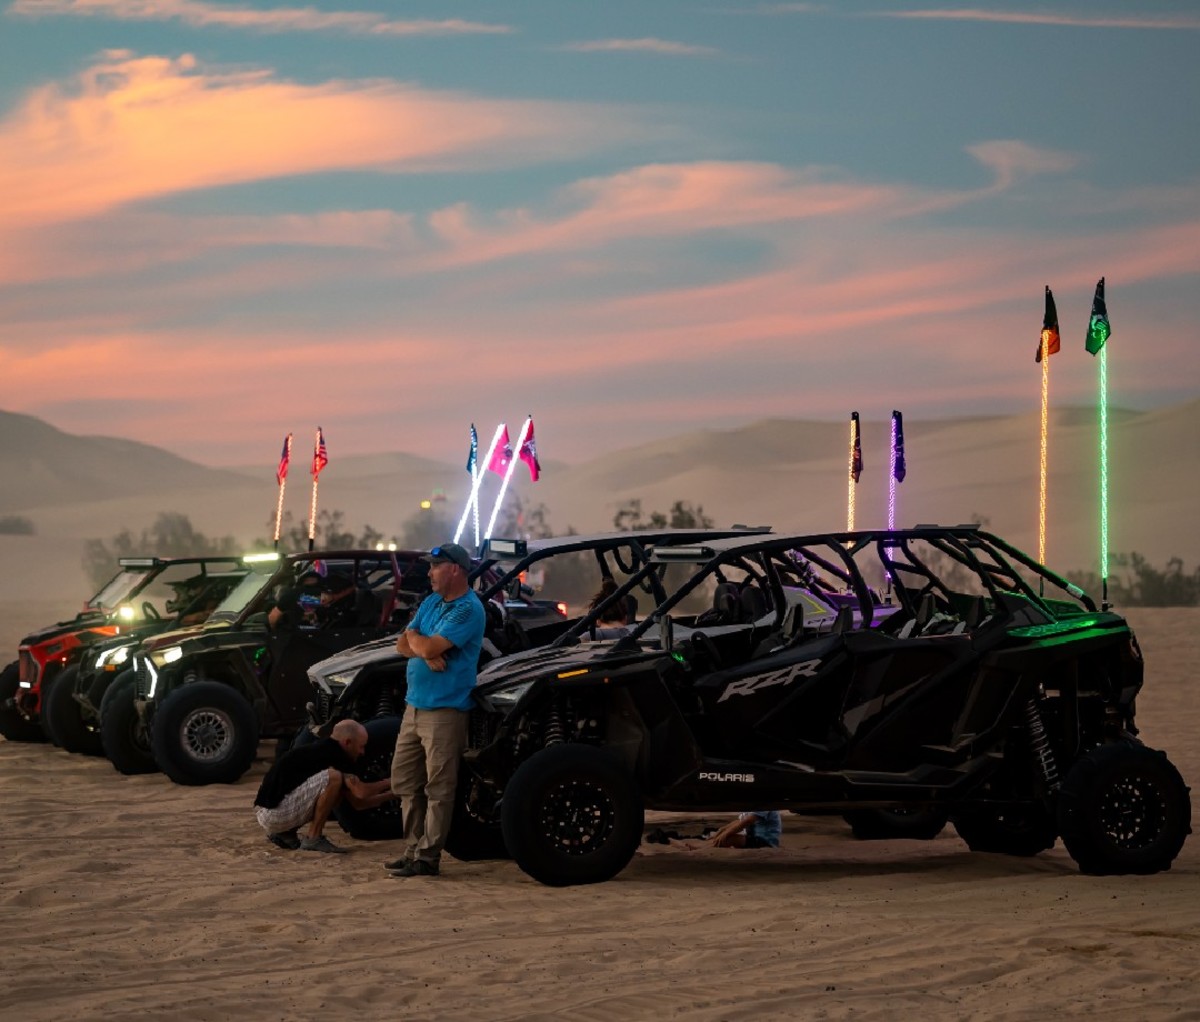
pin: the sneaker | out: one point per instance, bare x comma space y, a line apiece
320, 844
397, 865
287, 839
417, 868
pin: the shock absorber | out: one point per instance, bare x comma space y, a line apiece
1039, 746
555, 731
387, 706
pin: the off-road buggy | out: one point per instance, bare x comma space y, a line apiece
205, 700
368, 683
181, 597
992, 691
132, 597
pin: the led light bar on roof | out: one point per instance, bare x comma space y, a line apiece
138, 562
682, 553
260, 558
507, 547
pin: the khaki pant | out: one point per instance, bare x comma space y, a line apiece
425, 777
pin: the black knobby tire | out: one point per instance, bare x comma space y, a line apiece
62, 717
1022, 830
383, 822
473, 838
122, 736
572, 814
13, 726
46, 714
204, 732
918, 823
1124, 808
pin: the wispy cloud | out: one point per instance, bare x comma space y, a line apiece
276, 19
131, 128
1138, 21
647, 45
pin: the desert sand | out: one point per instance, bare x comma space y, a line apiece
130, 897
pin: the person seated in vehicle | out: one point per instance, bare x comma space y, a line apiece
307, 782
613, 622
756, 828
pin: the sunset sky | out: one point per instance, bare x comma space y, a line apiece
223, 221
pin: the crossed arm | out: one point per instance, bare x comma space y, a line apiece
430, 648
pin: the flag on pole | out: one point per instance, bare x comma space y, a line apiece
528, 454
899, 470
1099, 329
320, 454
284, 460
1050, 341
473, 455
501, 455
856, 461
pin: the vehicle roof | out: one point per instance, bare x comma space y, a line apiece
595, 540
785, 541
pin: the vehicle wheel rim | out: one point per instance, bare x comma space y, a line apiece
577, 817
1131, 813
207, 734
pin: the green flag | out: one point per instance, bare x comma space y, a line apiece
1099, 329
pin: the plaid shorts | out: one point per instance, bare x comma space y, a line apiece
296, 808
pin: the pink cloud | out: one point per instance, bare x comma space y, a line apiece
1137, 21
645, 45
132, 128
277, 19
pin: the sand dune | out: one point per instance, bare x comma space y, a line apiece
787, 473
125, 897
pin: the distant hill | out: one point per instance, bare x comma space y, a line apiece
42, 466
787, 473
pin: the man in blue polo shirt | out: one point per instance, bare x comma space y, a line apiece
442, 642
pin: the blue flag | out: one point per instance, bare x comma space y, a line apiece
900, 470
473, 456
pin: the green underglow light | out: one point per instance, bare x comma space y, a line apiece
1104, 472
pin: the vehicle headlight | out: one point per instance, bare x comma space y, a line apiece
507, 698
335, 683
165, 656
112, 658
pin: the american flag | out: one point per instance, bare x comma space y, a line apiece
284, 460
320, 454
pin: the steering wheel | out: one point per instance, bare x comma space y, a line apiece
150, 612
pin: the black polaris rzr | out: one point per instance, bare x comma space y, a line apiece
368, 683
981, 687
182, 596
205, 700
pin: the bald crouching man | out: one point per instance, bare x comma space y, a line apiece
307, 782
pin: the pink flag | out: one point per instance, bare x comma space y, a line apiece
502, 455
528, 454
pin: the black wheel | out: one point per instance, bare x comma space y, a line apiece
384, 822
45, 714
920, 823
1011, 830
204, 732
62, 717
473, 836
1123, 808
13, 726
124, 739
572, 815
